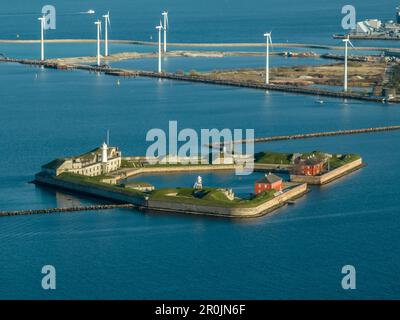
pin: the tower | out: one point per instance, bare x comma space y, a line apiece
104, 155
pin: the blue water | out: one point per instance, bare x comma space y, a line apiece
242, 186
296, 253
207, 21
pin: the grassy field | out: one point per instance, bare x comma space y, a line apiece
269, 157
209, 196
361, 74
335, 162
338, 161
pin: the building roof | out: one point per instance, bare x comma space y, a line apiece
312, 161
85, 158
54, 164
270, 179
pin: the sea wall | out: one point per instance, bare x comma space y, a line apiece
234, 212
330, 176
120, 196
183, 168
174, 206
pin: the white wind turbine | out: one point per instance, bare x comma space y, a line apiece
42, 23
166, 26
269, 42
159, 28
346, 50
107, 23
98, 23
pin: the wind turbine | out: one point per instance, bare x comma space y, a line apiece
42, 22
107, 23
159, 28
98, 23
269, 42
346, 49
166, 26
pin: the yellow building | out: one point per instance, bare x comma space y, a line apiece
99, 161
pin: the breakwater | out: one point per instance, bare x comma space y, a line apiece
317, 135
205, 80
66, 210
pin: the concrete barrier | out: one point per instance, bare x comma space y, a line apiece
229, 212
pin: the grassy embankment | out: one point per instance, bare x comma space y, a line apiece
209, 196
97, 182
336, 161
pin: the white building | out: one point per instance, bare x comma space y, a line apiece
368, 26
99, 161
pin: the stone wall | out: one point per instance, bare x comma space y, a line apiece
176, 206
120, 196
177, 169
330, 176
242, 212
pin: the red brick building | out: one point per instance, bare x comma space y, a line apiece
311, 167
269, 182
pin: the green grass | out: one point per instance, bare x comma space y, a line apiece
336, 162
269, 157
209, 196
128, 164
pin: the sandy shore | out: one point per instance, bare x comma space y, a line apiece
209, 45
177, 53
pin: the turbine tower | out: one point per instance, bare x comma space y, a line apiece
269, 42
159, 28
98, 23
166, 25
107, 23
346, 50
42, 22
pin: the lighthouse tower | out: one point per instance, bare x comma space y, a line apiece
104, 158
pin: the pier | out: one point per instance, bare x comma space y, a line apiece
316, 135
66, 210
203, 79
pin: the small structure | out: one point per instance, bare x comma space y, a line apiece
140, 186
269, 182
198, 185
228, 193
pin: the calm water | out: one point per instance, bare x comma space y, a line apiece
296, 253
